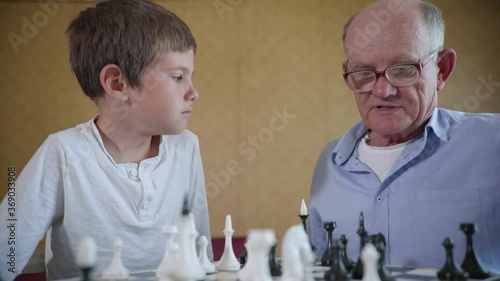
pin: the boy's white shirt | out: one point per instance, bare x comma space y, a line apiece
73, 188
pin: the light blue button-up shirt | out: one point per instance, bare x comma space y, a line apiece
447, 176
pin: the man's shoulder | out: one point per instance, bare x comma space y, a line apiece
477, 121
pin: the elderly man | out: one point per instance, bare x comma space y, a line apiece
416, 171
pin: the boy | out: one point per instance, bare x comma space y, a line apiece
125, 173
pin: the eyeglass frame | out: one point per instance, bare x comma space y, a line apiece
419, 66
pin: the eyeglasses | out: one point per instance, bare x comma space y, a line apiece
398, 76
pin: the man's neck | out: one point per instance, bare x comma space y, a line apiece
379, 140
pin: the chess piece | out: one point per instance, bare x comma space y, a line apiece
378, 241
243, 257
348, 263
166, 265
471, 264
86, 256
258, 246
116, 270
358, 268
274, 265
326, 259
228, 261
203, 257
450, 270
337, 271
303, 216
187, 265
369, 257
298, 258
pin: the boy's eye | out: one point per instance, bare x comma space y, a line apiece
177, 78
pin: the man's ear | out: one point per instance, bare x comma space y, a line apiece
113, 82
446, 63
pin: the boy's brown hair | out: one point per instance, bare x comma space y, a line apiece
129, 33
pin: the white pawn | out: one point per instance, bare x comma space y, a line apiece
258, 246
86, 256
228, 261
116, 270
167, 263
203, 257
187, 266
369, 257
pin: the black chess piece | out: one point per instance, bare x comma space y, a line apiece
243, 258
338, 271
471, 263
378, 241
326, 258
274, 265
357, 272
86, 273
303, 219
348, 263
450, 270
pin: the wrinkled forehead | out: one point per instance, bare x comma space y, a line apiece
378, 33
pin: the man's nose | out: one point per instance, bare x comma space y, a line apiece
383, 88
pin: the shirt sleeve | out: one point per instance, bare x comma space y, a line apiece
200, 206
37, 202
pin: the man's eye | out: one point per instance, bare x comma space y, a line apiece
402, 69
177, 78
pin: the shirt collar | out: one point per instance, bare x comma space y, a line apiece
438, 125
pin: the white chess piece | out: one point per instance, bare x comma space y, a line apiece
116, 270
167, 263
86, 255
258, 246
303, 208
298, 258
207, 265
369, 257
187, 266
228, 261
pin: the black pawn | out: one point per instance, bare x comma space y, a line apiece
450, 270
357, 272
338, 270
348, 263
326, 259
378, 241
86, 273
274, 265
471, 263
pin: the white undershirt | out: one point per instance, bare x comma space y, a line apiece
379, 159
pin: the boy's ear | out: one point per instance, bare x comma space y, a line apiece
113, 82
446, 63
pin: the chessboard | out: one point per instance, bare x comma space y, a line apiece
400, 273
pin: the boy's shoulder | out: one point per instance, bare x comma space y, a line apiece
74, 133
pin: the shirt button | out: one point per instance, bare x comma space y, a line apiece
134, 172
145, 205
148, 187
380, 199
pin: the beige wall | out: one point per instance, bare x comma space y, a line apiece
255, 58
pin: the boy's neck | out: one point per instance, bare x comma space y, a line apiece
125, 146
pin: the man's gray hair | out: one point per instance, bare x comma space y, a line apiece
433, 19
